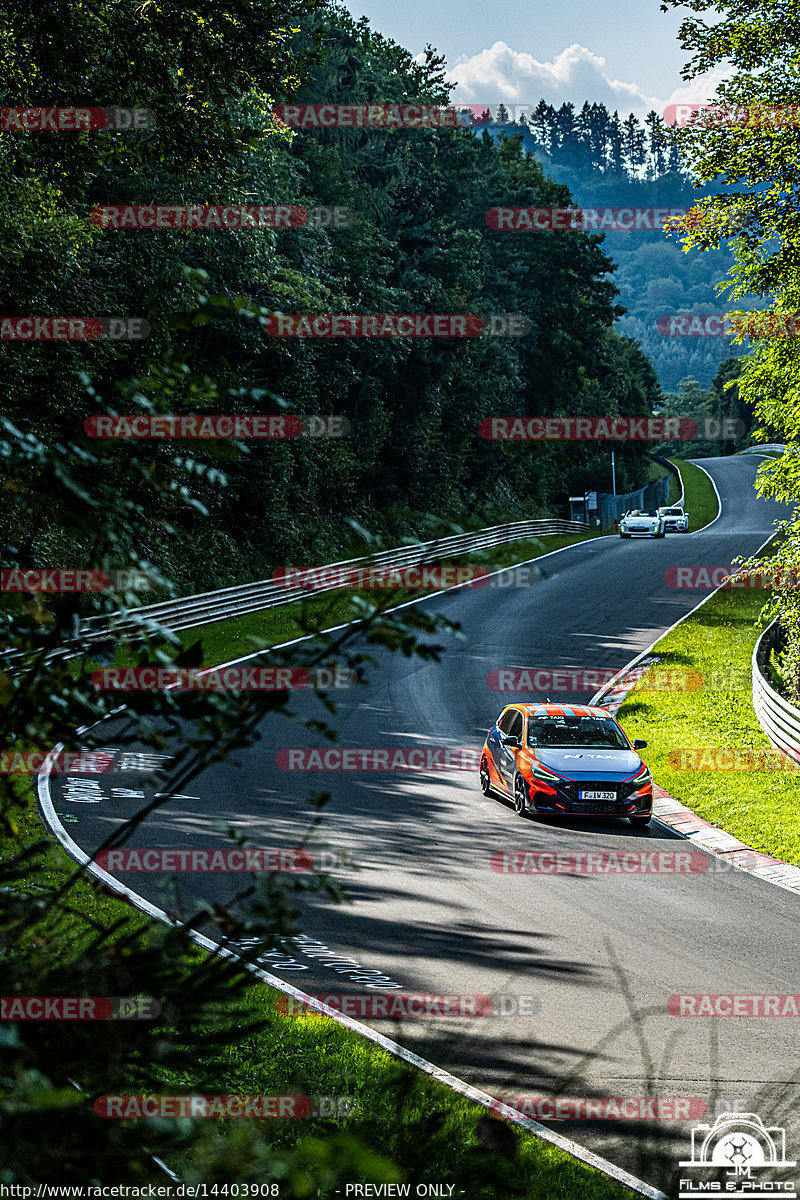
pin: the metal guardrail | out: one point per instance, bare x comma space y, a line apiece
673, 470
760, 449
779, 719
220, 605
204, 608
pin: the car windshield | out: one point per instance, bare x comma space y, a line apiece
673, 512
586, 732
640, 512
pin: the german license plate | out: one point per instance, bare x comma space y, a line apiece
597, 795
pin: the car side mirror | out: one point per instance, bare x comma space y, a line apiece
639, 743
510, 739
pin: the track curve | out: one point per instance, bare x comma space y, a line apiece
600, 956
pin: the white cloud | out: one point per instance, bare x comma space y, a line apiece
702, 89
500, 73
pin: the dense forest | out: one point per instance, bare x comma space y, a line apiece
418, 243
415, 241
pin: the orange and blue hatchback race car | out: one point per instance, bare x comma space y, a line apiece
566, 759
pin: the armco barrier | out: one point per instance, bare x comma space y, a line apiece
611, 507
207, 607
760, 449
779, 719
673, 470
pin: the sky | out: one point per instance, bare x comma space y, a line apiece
623, 53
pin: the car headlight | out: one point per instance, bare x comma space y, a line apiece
641, 782
545, 775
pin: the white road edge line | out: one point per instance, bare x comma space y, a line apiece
716, 493
391, 1047
607, 687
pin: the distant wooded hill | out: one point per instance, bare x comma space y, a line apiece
606, 161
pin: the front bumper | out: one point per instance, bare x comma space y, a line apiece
564, 799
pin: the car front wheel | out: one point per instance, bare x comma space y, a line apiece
486, 783
521, 796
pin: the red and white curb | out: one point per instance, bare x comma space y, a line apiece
687, 824
671, 812
683, 820
622, 684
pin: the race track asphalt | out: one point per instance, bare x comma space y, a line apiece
599, 955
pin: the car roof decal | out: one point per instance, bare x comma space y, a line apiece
562, 710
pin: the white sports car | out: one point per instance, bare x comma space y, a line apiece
643, 523
675, 518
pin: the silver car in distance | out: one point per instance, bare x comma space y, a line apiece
640, 522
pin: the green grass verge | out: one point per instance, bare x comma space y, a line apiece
674, 493
700, 500
430, 1133
759, 807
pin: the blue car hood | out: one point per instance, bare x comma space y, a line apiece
597, 764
